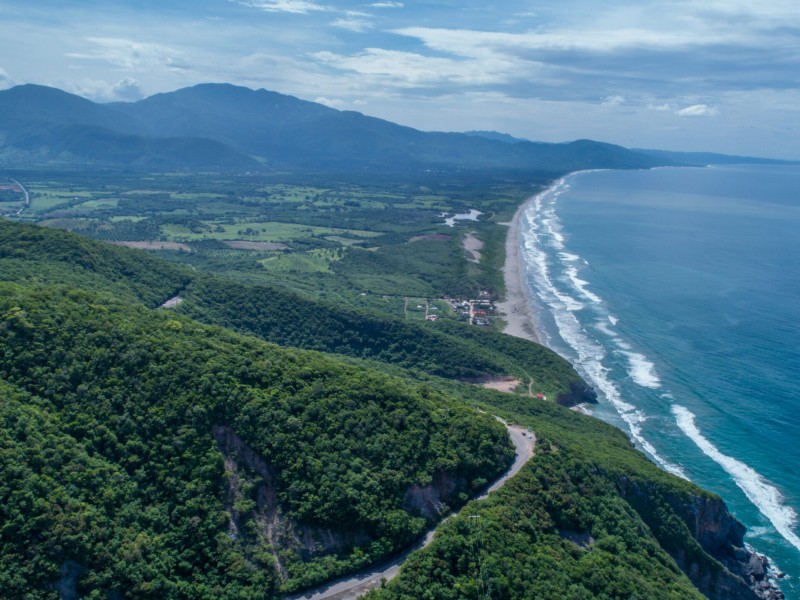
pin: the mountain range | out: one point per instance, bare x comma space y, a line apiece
221, 126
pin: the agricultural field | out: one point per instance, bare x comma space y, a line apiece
371, 243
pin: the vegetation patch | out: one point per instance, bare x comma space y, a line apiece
242, 245
154, 245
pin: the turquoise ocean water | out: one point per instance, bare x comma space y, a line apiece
676, 293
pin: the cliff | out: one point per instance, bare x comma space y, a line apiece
721, 566
579, 392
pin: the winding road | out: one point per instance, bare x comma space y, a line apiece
26, 203
360, 583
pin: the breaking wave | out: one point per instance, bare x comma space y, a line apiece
559, 287
758, 490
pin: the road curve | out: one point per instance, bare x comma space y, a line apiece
358, 584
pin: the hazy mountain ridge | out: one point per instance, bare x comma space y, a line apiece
712, 158
230, 127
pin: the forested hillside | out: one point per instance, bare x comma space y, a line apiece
160, 404
452, 352
40, 255
158, 453
34, 254
589, 517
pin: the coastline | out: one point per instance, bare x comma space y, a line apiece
756, 569
516, 307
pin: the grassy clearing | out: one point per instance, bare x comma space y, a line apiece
314, 261
255, 231
102, 204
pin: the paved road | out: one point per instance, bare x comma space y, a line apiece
363, 581
25, 204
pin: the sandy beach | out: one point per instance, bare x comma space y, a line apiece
516, 307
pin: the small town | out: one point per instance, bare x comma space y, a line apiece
479, 311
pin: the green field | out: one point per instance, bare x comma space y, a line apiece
359, 242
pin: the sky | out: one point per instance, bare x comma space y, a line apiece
693, 75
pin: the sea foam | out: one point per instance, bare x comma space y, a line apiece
758, 490
642, 371
543, 232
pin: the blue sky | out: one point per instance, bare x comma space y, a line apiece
717, 75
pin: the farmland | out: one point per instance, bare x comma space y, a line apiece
380, 243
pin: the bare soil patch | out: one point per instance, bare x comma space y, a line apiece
505, 384
473, 246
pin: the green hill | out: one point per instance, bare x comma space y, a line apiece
35, 254
146, 454
211, 447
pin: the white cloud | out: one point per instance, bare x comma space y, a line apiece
698, 110
332, 103
409, 69
102, 91
353, 21
288, 6
614, 100
666, 106
127, 89
386, 5
129, 54
466, 42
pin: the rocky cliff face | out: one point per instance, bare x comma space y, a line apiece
271, 527
721, 566
431, 501
579, 393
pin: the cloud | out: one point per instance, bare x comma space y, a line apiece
408, 69
698, 110
288, 6
353, 21
127, 89
5, 79
614, 100
129, 54
465, 42
666, 106
331, 103
386, 5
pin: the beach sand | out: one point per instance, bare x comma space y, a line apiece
516, 307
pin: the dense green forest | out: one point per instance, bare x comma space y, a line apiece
447, 350
587, 518
141, 394
451, 351
163, 453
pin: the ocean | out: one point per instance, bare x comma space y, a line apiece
675, 292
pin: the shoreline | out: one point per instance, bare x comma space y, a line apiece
516, 307
519, 316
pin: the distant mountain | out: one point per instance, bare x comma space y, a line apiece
711, 158
224, 126
42, 125
496, 135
